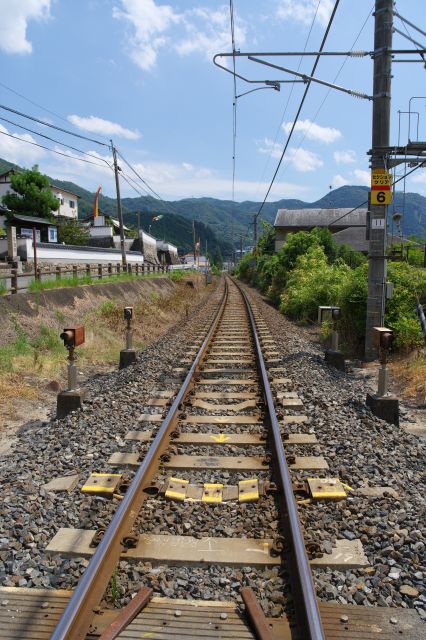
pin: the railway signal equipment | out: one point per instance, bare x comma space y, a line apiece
128, 354
382, 404
72, 337
71, 399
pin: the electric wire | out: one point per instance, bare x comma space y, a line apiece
59, 153
289, 97
333, 13
52, 113
42, 135
419, 166
52, 126
329, 90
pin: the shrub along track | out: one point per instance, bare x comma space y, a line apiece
224, 520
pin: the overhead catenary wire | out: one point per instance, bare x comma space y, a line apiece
334, 80
330, 22
289, 96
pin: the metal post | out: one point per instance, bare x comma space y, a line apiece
72, 370
119, 209
14, 281
35, 252
377, 266
129, 334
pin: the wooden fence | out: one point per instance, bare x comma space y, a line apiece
94, 271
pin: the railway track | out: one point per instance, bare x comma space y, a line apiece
212, 447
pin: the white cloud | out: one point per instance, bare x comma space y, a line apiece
14, 22
153, 27
19, 152
301, 159
103, 127
345, 157
149, 21
314, 131
339, 181
419, 178
363, 177
304, 10
207, 32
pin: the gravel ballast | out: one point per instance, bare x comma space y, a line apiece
360, 449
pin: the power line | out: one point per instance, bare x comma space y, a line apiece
334, 80
290, 94
300, 106
59, 153
52, 113
42, 135
165, 204
52, 126
419, 166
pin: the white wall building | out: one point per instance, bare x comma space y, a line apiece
68, 202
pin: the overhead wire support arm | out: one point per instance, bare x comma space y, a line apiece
240, 77
411, 24
306, 79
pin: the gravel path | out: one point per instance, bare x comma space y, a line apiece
362, 451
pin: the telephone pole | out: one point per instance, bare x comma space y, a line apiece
119, 210
377, 266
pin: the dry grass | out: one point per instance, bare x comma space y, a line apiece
13, 390
28, 365
409, 372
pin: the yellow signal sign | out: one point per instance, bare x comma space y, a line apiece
381, 183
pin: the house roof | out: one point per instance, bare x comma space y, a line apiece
52, 186
354, 237
55, 186
33, 220
320, 217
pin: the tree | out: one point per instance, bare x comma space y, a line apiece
71, 232
218, 260
31, 195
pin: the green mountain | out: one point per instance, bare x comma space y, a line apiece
223, 222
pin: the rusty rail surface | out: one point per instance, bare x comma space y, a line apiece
306, 605
75, 621
77, 616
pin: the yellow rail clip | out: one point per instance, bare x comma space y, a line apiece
176, 489
212, 492
102, 484
248, 490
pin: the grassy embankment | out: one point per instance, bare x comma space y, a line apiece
37, 356
312, 270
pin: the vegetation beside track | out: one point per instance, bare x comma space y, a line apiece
35, 356
312, 270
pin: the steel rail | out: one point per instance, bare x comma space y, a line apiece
306, 604
76, 618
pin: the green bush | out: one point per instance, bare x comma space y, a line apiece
313, 282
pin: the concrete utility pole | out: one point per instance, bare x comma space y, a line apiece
377, 267
255, 230
119, 210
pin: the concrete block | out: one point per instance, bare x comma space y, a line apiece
69, 401
127, 357
335, 359
384, 407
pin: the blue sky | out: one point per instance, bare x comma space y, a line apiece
141, 71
